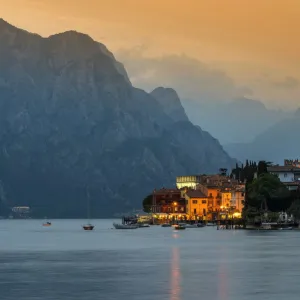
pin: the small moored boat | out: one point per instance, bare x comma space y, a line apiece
179, 227
125, 226
88, 227
47, 224
210, 224
286, 228
143, 225
166, 225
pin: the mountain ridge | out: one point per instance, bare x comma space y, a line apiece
70, 120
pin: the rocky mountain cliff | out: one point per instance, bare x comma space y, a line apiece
72, 126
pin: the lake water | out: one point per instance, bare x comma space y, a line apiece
63, 262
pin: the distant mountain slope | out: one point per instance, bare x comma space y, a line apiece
72, 125
275, 144
239, 121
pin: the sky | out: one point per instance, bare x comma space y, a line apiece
212, 50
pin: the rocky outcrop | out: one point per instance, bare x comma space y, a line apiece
170, 103
72, 125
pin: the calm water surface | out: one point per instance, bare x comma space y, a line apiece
64, 262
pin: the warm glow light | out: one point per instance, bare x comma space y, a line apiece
237, 215
175, 203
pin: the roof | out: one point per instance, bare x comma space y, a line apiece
293, 183
283, 169
196, 194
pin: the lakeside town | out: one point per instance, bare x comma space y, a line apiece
250, 195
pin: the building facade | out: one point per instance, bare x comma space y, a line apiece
188, 181
168, 204
289, 175
196, 204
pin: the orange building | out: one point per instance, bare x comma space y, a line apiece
214, 201
196, 204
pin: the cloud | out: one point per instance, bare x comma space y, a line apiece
191, 78
288, 82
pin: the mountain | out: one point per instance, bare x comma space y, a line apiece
72, 126
238, 121
170, 103
275, 144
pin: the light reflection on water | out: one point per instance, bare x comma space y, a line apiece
175, 275
64, 262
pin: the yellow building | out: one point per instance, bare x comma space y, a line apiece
196, 205
237, 199
226, 199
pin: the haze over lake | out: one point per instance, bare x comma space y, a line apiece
65, 262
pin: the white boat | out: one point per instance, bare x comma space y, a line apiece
193, 225
285, 228
126, 226
143, 225
210, 224
265, 226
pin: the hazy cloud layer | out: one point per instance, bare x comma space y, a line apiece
288, 82
191, 78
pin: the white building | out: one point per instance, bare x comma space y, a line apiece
190, 181
289, 175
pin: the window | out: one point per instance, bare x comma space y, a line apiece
204, 212
182, 209
195, 211
195, 201
285, 175
210, 194
176, 208
203, 201
243, 194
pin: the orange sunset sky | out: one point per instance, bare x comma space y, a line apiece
254, 44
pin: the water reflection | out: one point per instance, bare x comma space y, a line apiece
222, 282
175, 275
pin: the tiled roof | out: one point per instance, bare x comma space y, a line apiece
196, 194
294, 183
283, 169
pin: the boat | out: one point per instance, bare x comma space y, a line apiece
125, 226
143, 225
210, 224
47, 224
285, 228
179, 227
265, 226
196, 225
166, 225
88, 226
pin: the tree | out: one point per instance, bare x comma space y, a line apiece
294, 209
147, 203
263, 167
267, 192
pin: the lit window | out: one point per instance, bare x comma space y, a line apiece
195, 201
203, 201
